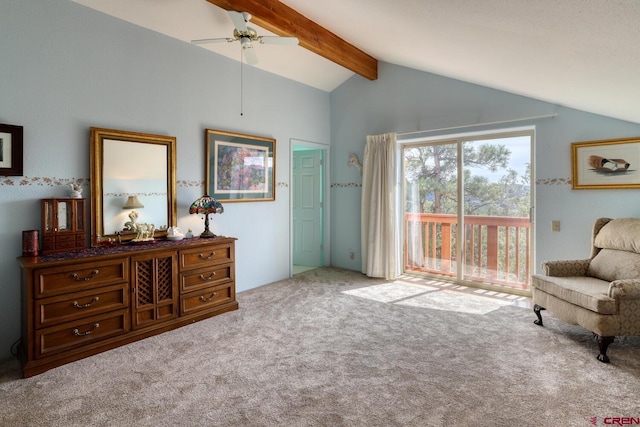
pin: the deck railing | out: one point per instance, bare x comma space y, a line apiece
496, 248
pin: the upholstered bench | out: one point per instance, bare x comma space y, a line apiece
602, 293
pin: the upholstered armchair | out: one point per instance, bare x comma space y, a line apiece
602, 293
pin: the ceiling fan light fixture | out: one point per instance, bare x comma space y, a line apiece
246, 35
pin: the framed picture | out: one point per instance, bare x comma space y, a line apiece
613, 163
10, 150
239, 168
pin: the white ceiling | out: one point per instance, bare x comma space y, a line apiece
583, 54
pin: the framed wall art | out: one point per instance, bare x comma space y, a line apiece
239, 168
10, 150
612, 163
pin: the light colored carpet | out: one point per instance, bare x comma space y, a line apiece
426, 296
308, 352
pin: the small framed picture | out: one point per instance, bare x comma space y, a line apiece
612, 163
10, 150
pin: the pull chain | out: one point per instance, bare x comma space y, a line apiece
241, 82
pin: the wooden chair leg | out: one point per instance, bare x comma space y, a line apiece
603, 345
537, 309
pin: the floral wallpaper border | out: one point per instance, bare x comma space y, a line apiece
23, 181
186, 183
553, 181
346, 185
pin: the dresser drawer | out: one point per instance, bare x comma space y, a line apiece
205, 278
206, 298
206, 256
81, 276
62, 308
80, 333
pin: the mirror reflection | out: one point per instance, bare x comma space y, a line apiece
133, 184
127, 175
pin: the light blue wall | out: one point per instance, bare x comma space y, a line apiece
66, 68
404, 100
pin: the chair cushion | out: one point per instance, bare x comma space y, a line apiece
586, 292
621, 233
613, 264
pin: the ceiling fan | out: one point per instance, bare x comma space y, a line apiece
246, 35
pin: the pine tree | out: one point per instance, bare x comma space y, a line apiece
432, 181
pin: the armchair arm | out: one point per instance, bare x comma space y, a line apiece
625, 289
566, 268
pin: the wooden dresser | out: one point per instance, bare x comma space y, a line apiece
79, 303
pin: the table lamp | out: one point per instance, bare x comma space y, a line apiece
132, 203
206, 205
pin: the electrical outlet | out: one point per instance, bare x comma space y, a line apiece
555, 225
352, 254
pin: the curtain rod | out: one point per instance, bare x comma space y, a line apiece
543, 116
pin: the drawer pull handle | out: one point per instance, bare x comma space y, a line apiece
207, 278
84, 279
89, 304
213, 295
81, 334
213, 253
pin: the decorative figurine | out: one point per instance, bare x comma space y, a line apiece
354, 161
131, 225
145, 232
76, 191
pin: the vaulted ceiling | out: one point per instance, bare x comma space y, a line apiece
583, 54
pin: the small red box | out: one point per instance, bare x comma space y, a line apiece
30, 243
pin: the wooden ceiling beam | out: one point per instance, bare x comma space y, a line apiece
280, 19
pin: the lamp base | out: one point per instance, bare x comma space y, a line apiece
207, 234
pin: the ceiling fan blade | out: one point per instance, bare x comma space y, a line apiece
250, 55
217, 40
288, 41
238, 21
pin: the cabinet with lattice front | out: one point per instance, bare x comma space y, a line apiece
79, 303
154, 289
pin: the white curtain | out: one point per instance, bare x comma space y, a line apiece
379, 223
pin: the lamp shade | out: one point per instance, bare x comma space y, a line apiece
132, 203
206, 205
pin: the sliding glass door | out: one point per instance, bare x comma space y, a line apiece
431, 207
467, 205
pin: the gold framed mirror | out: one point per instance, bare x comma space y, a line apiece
133, 181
